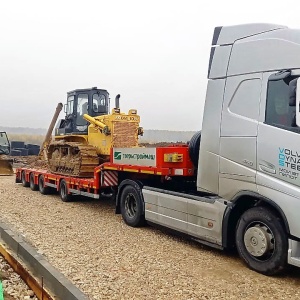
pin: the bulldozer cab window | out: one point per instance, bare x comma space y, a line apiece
4, 145
82, 108
99, 103
70, 105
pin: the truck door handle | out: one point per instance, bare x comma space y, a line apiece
269, 168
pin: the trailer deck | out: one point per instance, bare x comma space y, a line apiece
166, 162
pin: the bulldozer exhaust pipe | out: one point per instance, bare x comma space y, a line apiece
50, 129
117, 101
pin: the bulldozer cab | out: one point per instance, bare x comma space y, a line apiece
6, 164
4, 144
94, 102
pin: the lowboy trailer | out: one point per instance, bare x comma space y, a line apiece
156, 165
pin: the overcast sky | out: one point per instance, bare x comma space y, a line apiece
154, 53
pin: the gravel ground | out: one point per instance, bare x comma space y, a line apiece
106, 259
13, 286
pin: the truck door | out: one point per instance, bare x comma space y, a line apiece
278, 144
240, 115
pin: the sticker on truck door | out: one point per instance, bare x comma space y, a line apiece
289, 163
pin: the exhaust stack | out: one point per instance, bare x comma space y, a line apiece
117, 101
49, 132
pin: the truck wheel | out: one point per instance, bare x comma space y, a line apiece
32, 185
63, 192
23, 180
132, 208
261, 241
42, 188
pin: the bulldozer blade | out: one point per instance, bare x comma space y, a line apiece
6, 167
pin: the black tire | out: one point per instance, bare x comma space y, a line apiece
42, 188
33, 186
261, 241
23, 180
132, 206
63, 191
194, 147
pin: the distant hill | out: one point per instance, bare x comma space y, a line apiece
155, 136
150, 135
24, 130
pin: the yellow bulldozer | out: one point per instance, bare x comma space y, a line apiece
83, 139
6, 163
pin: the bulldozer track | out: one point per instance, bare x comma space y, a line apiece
72, 159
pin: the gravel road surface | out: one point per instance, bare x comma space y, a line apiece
106, 259
13, 286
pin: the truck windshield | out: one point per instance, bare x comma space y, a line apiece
4, 144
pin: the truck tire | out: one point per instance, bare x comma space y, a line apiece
44, 190
132, 206
63, 191
23, 180
261, 241
33, 186
194, 147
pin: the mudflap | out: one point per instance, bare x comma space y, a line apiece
6, 167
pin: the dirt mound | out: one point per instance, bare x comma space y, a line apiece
33, 161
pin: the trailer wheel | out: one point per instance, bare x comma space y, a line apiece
42, 188
132, 208
63, 192
23, 180
33, 186
261, 241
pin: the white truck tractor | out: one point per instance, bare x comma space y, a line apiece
248, 177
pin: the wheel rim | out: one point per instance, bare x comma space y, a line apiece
259, 241
130, 205
31, 180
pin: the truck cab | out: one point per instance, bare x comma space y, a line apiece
249, 151
248, 173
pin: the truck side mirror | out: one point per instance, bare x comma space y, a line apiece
292, 92
65, 108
